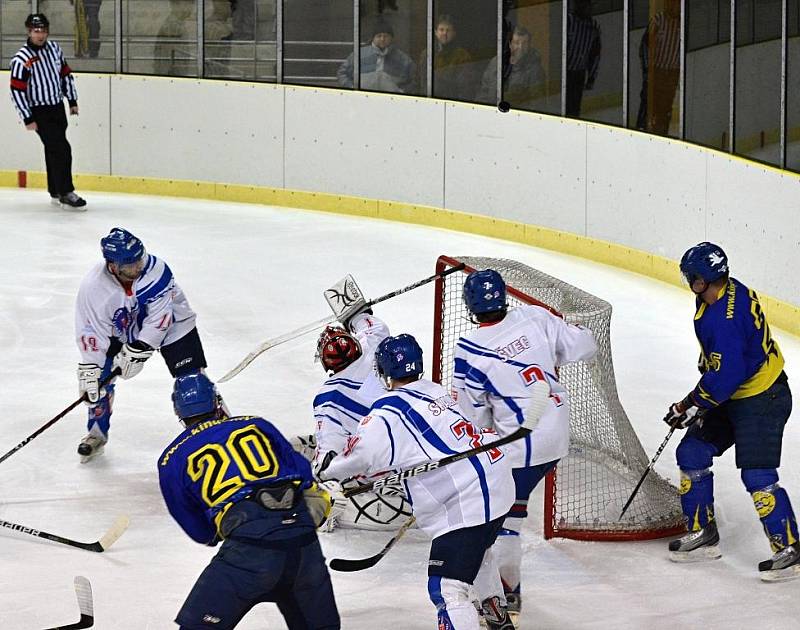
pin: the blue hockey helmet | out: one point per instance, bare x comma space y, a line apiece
485, 292
398, 357
194, 395
121, 247
704, 261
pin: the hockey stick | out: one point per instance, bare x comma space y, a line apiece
83, 589
340, 564
539, 399
647, 471
304, 330
108, 539
50, 423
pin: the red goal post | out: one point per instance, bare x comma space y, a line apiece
584, 496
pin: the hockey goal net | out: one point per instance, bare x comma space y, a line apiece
585, 494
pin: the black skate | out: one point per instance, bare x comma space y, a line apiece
784, 565
696, 546
514, 605
71, 201
495, 615
90, 447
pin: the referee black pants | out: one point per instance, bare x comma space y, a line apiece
51, 121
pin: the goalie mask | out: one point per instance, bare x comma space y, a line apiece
337, 349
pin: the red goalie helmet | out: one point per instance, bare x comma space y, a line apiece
336, 349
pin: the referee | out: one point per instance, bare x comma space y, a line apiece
40, 80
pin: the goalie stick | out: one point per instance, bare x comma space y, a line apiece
50, 423
304, 330
539, 399
83, 590
108, 539
341, 564
647, 471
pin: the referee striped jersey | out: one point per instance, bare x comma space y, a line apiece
40, 76
666, 33
583, 45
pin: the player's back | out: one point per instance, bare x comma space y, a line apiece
226, 457
425, 424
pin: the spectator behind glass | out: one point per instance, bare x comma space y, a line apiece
384, 67
451, 63
523, 79
659, 52
583, 54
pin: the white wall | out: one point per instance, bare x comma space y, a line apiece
650, 193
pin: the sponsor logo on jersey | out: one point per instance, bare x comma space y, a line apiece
209, 618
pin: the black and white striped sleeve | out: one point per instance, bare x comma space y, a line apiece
20, 75
67, 80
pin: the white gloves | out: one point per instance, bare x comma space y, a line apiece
320, 463
338, 503
130, 360
89, 382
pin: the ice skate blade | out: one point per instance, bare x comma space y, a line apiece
701, 554
69, 208
781, 575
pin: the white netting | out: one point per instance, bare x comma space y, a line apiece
606, 458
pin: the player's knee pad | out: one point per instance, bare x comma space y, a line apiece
694, 454
755, 479
453, 603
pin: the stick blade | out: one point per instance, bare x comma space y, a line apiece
117, 529
341, 564
83, 589
540, 399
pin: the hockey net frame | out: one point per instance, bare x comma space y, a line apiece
584, 495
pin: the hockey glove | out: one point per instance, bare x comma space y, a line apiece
319, 503
131, 358
89, 382
684, 414
319, 465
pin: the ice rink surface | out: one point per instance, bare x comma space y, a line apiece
253, 273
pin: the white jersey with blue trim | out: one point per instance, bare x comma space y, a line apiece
496, 364
417, 423
153, 310
346, 397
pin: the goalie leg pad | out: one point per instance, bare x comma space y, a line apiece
454, 606
379, 511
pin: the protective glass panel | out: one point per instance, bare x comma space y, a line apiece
532, 74
654, 40
793, 87
83, 28
159, 37
465, 51
318, 38
595, 36
390, 33
708, 78
758, 80
12, 28
240, 39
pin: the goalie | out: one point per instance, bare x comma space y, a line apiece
347, 356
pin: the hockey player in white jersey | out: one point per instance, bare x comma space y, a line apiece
495, 366
342, 401
127, 307
460, 506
